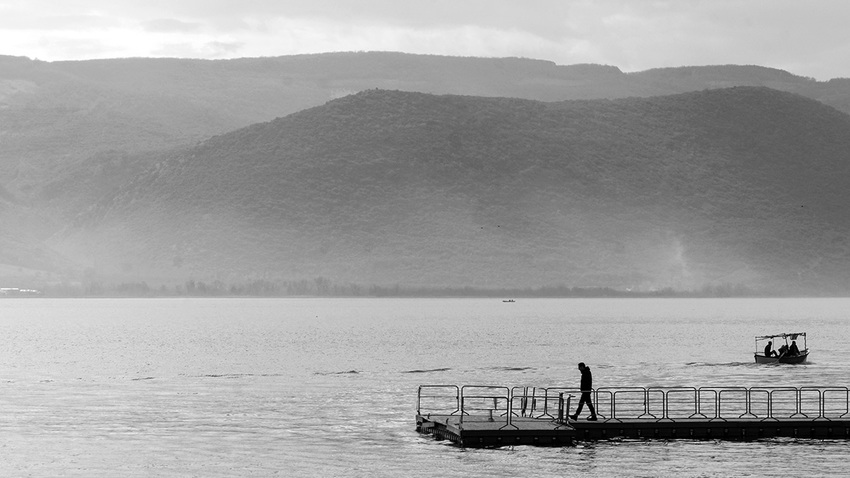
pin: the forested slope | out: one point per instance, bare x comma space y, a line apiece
728, 186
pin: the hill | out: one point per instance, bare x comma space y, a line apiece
104, 117
742, 185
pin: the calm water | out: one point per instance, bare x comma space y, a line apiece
304, 387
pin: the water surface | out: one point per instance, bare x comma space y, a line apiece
327, 387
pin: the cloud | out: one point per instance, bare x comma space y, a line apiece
77, 22
805, 38
212, 49
170, 25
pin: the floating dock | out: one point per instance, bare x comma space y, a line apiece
491, 416
485, 434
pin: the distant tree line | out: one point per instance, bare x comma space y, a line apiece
323, 287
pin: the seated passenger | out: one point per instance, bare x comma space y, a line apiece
783, 350
768, 350
793, 350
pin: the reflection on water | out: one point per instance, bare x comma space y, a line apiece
303, 387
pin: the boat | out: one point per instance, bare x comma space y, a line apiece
509, 300
784, 353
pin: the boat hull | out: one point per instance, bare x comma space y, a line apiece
801, 358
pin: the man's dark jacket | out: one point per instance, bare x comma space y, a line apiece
586, 379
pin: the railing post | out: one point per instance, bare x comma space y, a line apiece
533, 401
698, 400
646, 404
614, 404
560, 407
747, 403
546, 402
510, 408
524, 401
798, 393
846, 403
770, 404
716, 402
717, 405
798, 404
697, 412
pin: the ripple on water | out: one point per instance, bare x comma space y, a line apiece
328, 387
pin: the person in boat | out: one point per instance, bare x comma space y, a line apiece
793, 350
783, 350
768, 350
586, 388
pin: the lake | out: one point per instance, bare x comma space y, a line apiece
327, 387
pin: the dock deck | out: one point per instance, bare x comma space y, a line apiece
480, 434
492, 416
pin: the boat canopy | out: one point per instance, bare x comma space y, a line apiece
791, 336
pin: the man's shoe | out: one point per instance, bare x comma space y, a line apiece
592, 419
573, 417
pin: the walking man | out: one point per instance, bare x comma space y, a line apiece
586, 388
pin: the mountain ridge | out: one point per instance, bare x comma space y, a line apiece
68, 114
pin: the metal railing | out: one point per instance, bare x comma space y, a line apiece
503, 404
438, 399
485, 402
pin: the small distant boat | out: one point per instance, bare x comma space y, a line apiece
787, 353
508, 300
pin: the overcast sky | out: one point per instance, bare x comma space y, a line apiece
806, 37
